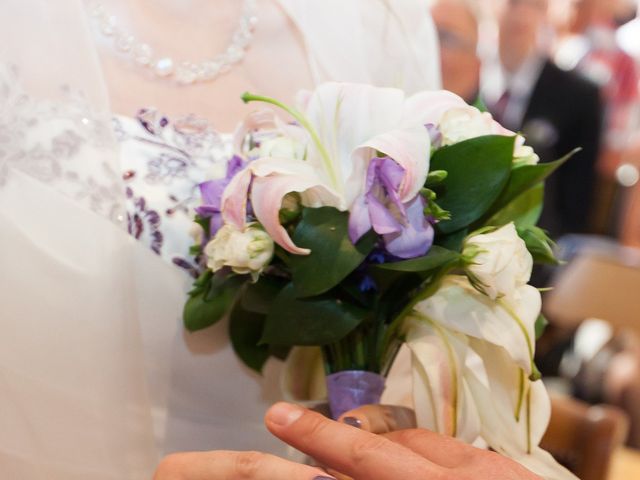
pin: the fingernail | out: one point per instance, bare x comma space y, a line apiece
323, 477
284, 414
353, 421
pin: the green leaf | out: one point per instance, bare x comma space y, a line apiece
245, 330
309, 321
524, 177
541, 325
208, 304
436, 257
524, 210
202, 282
258, 297
452, 241
479, 104
325, 231
477, 171
205, 223
539, 245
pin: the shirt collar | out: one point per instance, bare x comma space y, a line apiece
521, 82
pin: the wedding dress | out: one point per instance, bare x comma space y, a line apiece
97, 377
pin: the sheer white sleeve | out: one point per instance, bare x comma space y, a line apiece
73, 395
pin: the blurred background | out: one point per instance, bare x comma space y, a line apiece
565, 73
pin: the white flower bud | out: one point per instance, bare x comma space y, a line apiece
500, 262
282, 147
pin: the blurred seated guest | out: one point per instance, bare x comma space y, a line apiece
556, 110
457, 24
607, 371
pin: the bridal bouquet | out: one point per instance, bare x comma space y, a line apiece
365, 220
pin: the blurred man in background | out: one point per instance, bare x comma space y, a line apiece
592, 48
457, 24
556, 111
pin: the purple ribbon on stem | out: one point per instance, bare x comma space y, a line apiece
352, 389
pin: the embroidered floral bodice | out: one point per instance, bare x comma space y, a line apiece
163, 162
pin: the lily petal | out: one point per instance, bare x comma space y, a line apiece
514, 411
234, 199
460, 307
441, 398
345, 116
428, 107
270, 180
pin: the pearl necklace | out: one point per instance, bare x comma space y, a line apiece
184, 73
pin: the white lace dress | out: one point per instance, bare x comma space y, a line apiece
213, 400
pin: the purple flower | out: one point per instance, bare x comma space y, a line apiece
406, 232
211, 192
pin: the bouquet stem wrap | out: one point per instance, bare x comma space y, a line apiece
351, 389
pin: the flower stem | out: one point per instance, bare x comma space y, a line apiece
250, 97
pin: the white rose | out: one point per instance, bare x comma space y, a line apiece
500, 262
463, 123
245, 251
282, 147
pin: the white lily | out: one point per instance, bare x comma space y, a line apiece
472, 364
343, 126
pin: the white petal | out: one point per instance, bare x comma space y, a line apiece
441, 399
511, 434
458, 306
429, 106
303, 378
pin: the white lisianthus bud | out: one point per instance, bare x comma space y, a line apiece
499, 262
524, 154
282, 147
246, 251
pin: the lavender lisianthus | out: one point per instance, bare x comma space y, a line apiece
211, 192
405, 230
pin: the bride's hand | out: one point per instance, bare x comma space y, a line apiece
362, 455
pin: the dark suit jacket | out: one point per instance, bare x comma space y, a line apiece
565, 112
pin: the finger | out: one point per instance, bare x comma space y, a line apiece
440, 449
337, 475
380, 418
227, 465
354, 452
